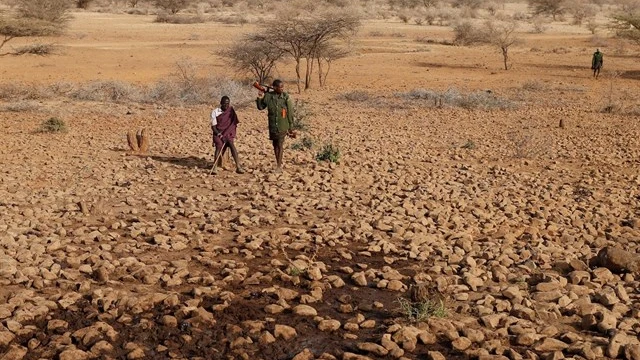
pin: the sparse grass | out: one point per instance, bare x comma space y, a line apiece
294, 271
108, 91
21, 106
328, 152
421, 311
53, 125
235, 19
179, 19
530, 146
179, 88
36, 49
355, 95
469, 145
427, 40
452, 97
533, 85
16, 91
305, 144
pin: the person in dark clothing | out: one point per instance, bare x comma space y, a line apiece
596, 63
280, 115
224, 123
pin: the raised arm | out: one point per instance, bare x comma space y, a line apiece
260, 102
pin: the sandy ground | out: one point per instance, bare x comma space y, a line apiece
494, 213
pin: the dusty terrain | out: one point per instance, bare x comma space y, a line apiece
493, 214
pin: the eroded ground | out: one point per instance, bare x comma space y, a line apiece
495, 212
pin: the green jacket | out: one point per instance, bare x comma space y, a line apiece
279, 123
597, 60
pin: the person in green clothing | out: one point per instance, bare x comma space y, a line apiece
596, 63
280, 114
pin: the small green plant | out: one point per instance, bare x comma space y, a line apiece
294, 271
53, 125
305, 144
420, 311
469, 145
329, 152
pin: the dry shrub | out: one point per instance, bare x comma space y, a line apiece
174, 91
533, 85
539, 24
427, 40
466, 33
137, 11
36, 49
53, 11
376, 33
355, 95
53, 125
20, 106
598, 41
168, 18
592, 25
107, 91
20, 91
453, 98
519, 16
235, 19
530, 145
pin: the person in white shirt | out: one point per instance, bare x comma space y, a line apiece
224, 123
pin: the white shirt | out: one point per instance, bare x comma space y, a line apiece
214, 115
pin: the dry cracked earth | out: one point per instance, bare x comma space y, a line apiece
442, 233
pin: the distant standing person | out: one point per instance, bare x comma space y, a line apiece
224, 123
280, 115
596, 63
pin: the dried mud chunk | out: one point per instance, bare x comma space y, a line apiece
617, 260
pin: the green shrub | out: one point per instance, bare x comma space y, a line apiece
420, 311
305, 144
53, 125
329, 152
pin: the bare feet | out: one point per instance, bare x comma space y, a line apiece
278, 170
240, 170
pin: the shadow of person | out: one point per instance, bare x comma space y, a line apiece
188, 161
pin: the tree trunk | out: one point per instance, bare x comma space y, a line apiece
327, 72
307, 77
298, 74
505, 55
320, 72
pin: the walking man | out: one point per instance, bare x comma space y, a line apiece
280, 115
596, 63
224, 123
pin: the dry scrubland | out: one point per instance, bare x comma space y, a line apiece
459, 230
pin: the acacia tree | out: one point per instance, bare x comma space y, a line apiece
33, 18
327, 55
502, 35
254, 55
627, 26
547, 7
322, 32
303, 37
172, 6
